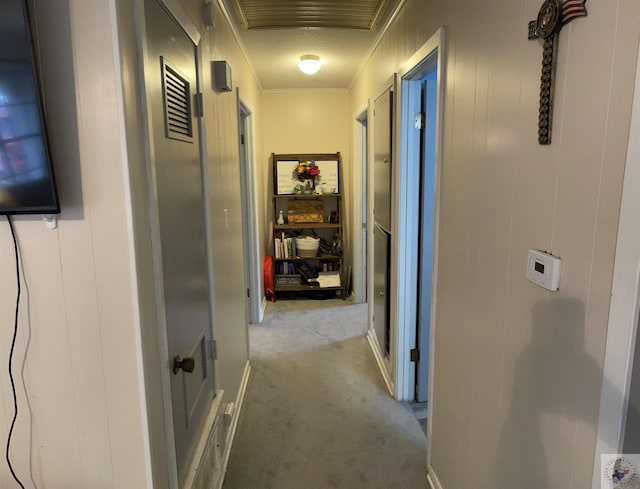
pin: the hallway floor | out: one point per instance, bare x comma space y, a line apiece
316, 412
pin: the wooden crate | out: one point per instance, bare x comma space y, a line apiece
303, 211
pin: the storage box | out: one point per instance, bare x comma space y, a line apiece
287, 280
305, 211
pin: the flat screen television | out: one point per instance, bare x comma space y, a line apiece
27, 185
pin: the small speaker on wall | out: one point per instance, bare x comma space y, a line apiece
222, 76
207, 14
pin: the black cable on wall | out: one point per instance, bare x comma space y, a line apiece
13, 346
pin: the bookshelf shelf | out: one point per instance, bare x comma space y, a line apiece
305, 288
307, 225
319, 257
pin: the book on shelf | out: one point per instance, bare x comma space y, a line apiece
330, 267
277, 247
285, 268
284, 247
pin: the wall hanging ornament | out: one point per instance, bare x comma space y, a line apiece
552, 17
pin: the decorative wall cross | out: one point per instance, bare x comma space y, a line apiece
553, 15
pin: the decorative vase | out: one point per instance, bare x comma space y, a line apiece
309, 183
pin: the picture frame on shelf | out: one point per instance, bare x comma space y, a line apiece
328, 173
285, 181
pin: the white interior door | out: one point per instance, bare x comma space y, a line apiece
181, 255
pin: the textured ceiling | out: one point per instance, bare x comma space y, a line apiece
274, 52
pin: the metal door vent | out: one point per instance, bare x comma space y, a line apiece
177, 104
271, 14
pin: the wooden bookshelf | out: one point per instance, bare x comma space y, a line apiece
329, 230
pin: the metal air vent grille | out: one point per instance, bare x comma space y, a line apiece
272, 14
177, 104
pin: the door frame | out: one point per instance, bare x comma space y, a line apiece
407, 191
249, 190
625, 305
360, 190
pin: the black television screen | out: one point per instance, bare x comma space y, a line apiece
26, 177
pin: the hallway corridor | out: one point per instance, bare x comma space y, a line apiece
316, 412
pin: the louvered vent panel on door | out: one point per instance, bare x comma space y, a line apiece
177, 104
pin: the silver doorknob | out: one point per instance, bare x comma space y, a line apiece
186, 365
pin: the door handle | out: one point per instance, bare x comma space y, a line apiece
381, 293
186, 365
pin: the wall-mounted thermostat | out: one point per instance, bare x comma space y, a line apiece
543, 269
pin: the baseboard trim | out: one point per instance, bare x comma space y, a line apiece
264, 308
375, 348
231, 434
204, 442
432, 480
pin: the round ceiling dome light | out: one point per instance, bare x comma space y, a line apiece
309, 64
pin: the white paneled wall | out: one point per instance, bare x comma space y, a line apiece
77, 363
221, 119
518, 369
89, 312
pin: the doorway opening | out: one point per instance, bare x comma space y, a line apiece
418, 189
424, 123
619, 420
252, 263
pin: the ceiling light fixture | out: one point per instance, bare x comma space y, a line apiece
309, 64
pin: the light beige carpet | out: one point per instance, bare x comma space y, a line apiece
316, 412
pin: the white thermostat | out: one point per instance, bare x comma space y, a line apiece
543, 269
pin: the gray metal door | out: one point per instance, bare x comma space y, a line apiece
181, 255
381, 288
382, 128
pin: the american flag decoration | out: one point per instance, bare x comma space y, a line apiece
552, 16
572, 9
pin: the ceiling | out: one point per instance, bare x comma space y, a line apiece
275, 33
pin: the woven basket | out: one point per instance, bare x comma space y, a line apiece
307, 247
307, 253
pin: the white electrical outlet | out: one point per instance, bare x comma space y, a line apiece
543, 269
